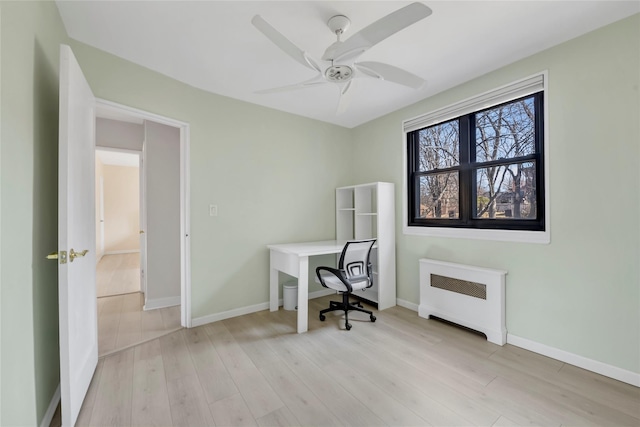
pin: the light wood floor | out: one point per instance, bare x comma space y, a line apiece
118, 274
400, 371
122, 322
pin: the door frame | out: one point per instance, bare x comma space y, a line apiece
101, 214
185, 196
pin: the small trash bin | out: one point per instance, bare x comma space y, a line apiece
290, 295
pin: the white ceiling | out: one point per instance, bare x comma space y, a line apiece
213, 46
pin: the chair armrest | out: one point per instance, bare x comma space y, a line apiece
370, 273
336, 272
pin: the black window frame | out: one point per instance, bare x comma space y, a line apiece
467, 175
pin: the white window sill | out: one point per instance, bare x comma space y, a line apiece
540, 237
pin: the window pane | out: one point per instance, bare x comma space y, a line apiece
439, 196
506, 192
506, 131
439, 146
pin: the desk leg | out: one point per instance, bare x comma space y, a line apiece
303, 294
273, 286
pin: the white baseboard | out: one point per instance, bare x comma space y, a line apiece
51, 410
601, 368
210, 318
125, 251
199, 321
406, 304
153, 304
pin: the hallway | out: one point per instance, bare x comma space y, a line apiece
122, 322
118, 274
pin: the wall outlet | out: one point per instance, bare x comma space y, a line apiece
213, 210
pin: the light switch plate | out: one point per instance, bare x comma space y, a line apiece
213, 210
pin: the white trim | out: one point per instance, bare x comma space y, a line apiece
540, 237
101, 214
153, 304
124, 251
598, 367
142, 218
406, 304
51, 410
210, 318
141, 114
518, 89
119, 150
601, 368
185, 227
185, 197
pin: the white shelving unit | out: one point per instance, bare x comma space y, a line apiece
367, 211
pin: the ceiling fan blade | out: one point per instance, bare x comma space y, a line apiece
380, 30
345, 97
390, 73
284, 43
317, 80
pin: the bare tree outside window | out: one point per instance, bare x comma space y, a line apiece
503, 133
439, 149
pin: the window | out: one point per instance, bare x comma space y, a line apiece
482, 169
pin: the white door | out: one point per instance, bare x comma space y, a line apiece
101, 214
143, 226
76, 233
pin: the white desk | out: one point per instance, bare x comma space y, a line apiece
293, 259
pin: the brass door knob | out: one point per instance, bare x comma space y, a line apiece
73, 254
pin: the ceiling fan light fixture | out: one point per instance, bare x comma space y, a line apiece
338, 73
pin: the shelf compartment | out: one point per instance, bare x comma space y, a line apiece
367, 211
345, 198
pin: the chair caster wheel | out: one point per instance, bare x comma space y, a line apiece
348, 326
373, 318
322, 318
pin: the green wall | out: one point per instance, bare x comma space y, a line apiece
31, 34
272, 175
580, 293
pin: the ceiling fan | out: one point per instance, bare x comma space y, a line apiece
341, 55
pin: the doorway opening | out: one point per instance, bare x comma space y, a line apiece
141, 226
118, 222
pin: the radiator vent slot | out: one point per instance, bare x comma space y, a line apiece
465, 287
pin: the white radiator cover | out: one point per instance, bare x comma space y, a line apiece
483, 315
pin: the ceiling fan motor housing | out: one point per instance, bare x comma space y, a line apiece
339, 24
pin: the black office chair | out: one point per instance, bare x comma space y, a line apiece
353, 274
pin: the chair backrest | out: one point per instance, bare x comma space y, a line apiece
354, 260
